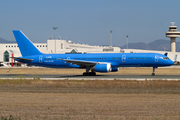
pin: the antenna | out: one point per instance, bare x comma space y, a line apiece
172, 23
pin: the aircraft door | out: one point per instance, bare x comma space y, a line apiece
124, 58
156, 58
40, 59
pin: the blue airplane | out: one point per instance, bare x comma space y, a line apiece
94, 62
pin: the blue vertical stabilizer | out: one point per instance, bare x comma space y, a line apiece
25, 45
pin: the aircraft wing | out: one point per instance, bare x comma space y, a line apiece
25, 59
81, 63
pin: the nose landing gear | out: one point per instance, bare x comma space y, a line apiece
153, 74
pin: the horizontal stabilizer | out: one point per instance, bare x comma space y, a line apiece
25, 59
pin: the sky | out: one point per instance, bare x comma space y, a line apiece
89, 21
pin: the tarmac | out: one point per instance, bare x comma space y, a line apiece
97, 77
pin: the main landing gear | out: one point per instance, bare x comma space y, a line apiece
87, 73
153, 74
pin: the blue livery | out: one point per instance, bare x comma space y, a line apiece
94, 62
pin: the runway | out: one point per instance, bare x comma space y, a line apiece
97, 77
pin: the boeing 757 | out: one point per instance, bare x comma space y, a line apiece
91, 62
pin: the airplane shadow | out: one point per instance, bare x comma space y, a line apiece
82, 76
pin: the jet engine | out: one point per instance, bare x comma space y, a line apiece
102, 68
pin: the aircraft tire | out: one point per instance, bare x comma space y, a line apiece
89, 74
84, 74
153, 74
93, 74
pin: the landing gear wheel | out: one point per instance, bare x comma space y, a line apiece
89, 74
92, 73
84, 74
153, 74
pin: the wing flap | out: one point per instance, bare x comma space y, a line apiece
80, 62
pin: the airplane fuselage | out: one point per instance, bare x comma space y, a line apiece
115, 59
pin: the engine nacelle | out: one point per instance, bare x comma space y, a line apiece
102, 68
114, 69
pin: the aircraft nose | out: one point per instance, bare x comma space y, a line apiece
171, 62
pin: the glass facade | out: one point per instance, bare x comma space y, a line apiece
6, 56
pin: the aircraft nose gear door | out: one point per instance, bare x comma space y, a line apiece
40, 59
124, 58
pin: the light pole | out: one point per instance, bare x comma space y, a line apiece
55, 37
127, 42
111, 38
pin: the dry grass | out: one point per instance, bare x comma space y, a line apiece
91, 86
122, 71
78, 106
87, 100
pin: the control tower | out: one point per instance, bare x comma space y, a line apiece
173, 34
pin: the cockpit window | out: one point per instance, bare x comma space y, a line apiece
165, 58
